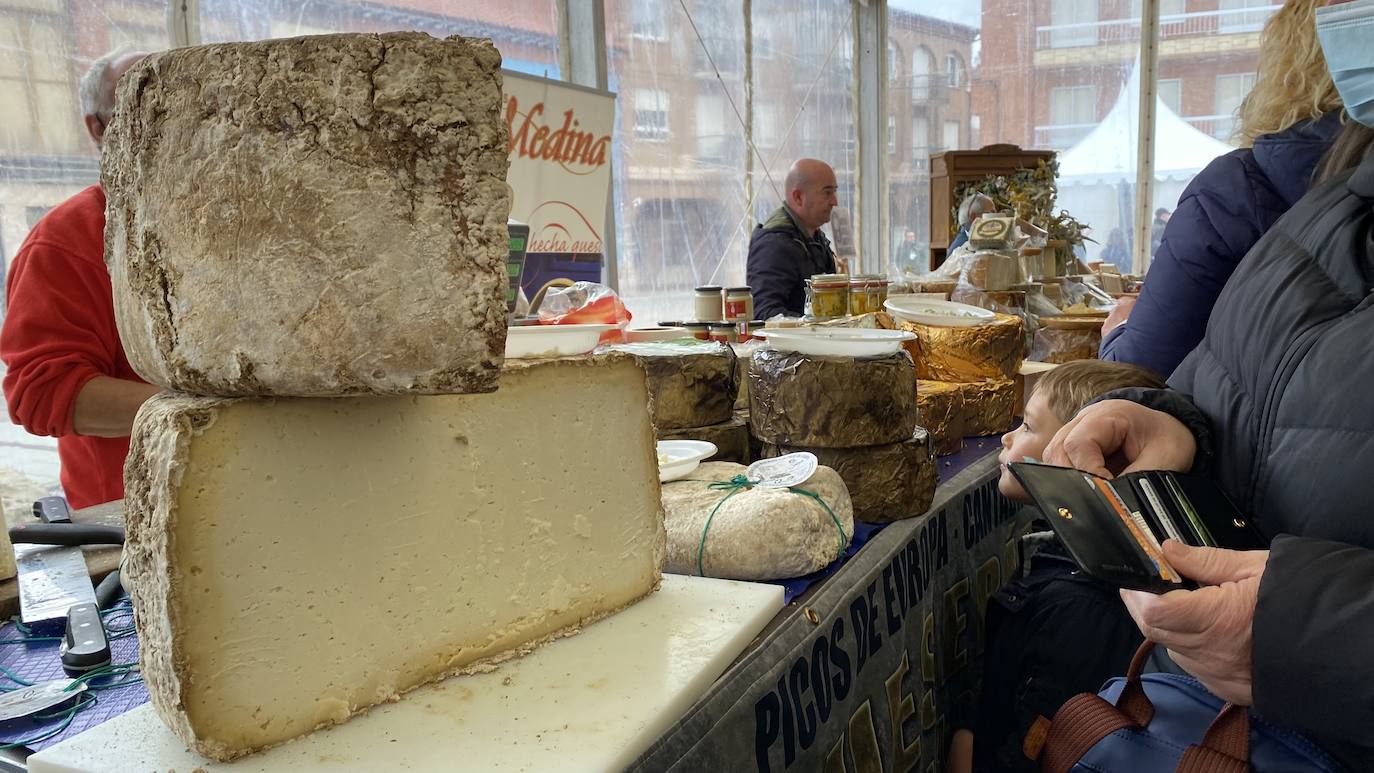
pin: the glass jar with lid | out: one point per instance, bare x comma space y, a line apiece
739, 304
709, 303
827, 295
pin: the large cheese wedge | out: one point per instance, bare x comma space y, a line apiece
886, 483
692, 383
831, 402
311, 216
989, 351
755, 533
295, 561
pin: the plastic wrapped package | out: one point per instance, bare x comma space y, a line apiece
585, 303
755, 533
730, 438
831, 402
744, 352
879, 320
993, 350
1060, 344
942, 414
886, 483
691, 383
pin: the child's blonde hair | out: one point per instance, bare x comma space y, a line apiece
1071, 386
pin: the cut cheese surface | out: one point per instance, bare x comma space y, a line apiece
296, 561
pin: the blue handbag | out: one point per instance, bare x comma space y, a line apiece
1161, 722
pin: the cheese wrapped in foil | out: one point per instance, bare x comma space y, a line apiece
691, 383
886, 483
988, 406
730, 438
831, 402
942, 414
990, 351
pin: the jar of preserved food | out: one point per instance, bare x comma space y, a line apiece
827, 295
710, 306
699, 330
861, 296
739, 304
725, 333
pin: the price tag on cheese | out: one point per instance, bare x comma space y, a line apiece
37, 697
783, 471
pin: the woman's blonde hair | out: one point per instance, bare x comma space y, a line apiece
1292, 83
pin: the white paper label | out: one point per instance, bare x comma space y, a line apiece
31, 700
783, 471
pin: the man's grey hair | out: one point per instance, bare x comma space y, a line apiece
97, 92
981, 202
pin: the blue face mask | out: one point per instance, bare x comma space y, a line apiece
1347, 35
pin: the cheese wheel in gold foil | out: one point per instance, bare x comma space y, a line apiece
989, 351
988, 406
831, 402
886, 483
942, 414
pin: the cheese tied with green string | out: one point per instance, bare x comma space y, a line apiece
722, 522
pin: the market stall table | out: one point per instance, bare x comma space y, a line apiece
964, 494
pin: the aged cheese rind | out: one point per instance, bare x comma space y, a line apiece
758, 533
731, 439
942, 414
295, 561
831, 402
690, 384
886, 483
311, 216
989, 406
990, 351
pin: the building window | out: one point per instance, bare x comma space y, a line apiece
954, 70
1231, 91
920, 142
1171, 94
1073, 23
922, 65
894, 63
891, 134
712, 139
646, 20
1073, 113
766, 126
951, 140
651, 114
1243, 15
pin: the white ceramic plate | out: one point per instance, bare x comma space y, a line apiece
929, 311
552, 340
678, 458
837, 341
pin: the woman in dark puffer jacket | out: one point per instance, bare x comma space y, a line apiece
1274, 403
1289, 119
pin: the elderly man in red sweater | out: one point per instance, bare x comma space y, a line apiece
67, 373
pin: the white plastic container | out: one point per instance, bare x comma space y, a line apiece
678, 458
929, 311
837, 341
534, 341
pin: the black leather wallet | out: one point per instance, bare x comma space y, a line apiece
1114, 528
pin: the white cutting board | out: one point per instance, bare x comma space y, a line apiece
594, 701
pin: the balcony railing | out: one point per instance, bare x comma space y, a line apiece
1181, 25
1062, 136
1219, 126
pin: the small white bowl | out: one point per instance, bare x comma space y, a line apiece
928, 311
838, 341
532, 341
678, 458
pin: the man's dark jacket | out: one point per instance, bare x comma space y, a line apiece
1278, 394
781, 258
1222, 213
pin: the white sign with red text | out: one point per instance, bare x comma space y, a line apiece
560, 153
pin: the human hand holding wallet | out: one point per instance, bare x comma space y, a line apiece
1114, 528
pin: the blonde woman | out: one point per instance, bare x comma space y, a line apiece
1287, 123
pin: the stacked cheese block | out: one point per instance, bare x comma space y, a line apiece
693, 386
858, 416
306, 240
967, 377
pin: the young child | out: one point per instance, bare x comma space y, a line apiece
1053, 632
1059, 395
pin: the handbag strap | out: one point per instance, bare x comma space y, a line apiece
1226, 746
1085, 719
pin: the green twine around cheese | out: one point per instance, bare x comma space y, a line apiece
740, 483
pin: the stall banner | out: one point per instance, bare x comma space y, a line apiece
560, 171
873, 672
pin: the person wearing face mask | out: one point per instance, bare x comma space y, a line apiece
1275, 406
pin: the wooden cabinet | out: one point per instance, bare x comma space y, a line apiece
953, 167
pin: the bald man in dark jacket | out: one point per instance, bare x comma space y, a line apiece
789, 247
